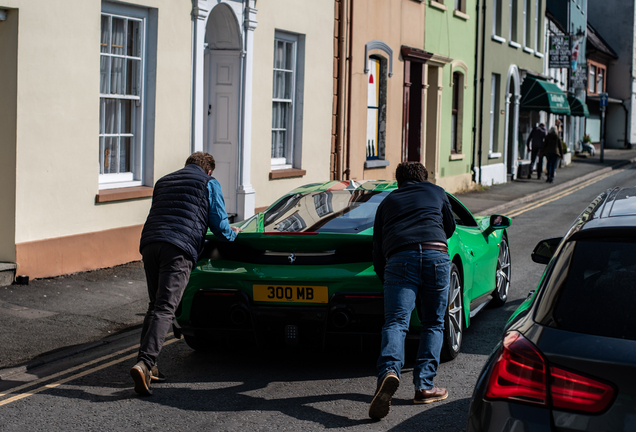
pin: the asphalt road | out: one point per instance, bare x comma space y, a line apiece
298, 390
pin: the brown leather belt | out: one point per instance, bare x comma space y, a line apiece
424, 246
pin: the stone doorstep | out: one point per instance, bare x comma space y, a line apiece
7, 273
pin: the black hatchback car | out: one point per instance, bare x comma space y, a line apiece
567, 360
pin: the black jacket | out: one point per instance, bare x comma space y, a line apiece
537, 137
179, 211
553, 145
417, 212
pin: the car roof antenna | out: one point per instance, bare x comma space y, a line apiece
352, 185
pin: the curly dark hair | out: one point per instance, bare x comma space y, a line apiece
204, 160
413, 171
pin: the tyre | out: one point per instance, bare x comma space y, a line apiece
454, 319
502, 275
199, 343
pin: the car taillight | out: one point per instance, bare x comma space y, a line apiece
520, 373
572, 391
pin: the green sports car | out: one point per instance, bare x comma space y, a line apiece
301, 271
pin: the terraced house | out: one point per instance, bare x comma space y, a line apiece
95, 112
403, 89
510, 52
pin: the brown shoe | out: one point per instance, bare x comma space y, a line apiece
381, 403
156, 375
427, 396
141, 375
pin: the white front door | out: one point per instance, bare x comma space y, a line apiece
220, 134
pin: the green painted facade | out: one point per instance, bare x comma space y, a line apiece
451, 33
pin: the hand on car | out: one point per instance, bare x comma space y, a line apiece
236, 229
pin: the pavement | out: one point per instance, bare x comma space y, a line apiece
55, 318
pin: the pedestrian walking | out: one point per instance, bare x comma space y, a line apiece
184, 204
553, 151
410, 256
535, 145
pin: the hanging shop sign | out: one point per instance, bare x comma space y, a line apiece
578, 77
560, 54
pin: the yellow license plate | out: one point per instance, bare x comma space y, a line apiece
291, 293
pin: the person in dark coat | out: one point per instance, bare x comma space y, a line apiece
184, 204
535, 144
553, 151
410, 256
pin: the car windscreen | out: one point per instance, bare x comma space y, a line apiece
339, 211
598, 296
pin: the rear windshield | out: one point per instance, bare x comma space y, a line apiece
341, 211
599, 294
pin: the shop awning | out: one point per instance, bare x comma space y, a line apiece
540, 95
578, 108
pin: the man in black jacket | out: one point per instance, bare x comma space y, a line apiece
410, 256
184, 204
535, 145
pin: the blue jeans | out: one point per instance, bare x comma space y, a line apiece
408, 274
553, 160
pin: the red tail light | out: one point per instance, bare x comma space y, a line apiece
572, 391
520, 373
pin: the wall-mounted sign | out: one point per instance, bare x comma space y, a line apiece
603, 99
559, 53
578, 78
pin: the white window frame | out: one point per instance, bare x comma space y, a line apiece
294, 120
494, 95
592, 80
537, 14
513, 36
600, 85
496, 17
526, 28
135, 176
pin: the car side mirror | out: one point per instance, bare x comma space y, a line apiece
499, 222
545, 249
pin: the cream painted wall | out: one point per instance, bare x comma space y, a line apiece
58, 110
8, 80
378, 22
314, 19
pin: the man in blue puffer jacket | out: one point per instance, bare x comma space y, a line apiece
184, 204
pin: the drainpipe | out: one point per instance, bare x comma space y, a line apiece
627, 142
342, 82
347, 171
481, 97
472, 166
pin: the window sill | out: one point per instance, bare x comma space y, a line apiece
538, 54
286, 173
494, 155
528, 50
498, 39
437, 5
461, 15
379, 163
514, 44
122, 194
456, 156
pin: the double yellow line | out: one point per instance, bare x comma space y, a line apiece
72, 377
561, 194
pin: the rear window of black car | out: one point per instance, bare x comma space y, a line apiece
598, 296
338, 211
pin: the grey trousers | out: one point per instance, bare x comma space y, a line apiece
167, 272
